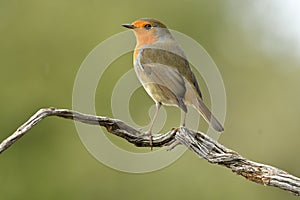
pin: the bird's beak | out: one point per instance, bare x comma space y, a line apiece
130, 26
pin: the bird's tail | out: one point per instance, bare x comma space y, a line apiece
208, 116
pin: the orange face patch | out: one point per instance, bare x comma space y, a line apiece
141, 23
143, 35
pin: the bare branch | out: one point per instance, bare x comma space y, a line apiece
204, 146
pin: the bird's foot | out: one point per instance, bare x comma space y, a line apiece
149, 134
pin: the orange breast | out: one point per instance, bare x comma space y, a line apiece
143, 38
135, 53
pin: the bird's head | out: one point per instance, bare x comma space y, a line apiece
149, 30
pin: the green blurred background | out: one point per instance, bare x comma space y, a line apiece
255, 44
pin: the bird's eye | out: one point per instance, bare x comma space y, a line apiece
147, 26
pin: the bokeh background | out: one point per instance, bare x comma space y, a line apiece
255, 44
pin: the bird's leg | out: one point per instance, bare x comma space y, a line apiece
158, 105
184, 119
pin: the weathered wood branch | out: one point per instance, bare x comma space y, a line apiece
204, 146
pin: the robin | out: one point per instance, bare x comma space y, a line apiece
164, 71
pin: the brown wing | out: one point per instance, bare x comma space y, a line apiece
167, 84
179, 64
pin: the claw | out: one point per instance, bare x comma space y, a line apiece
149, 133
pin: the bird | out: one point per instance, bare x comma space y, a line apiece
165, 73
